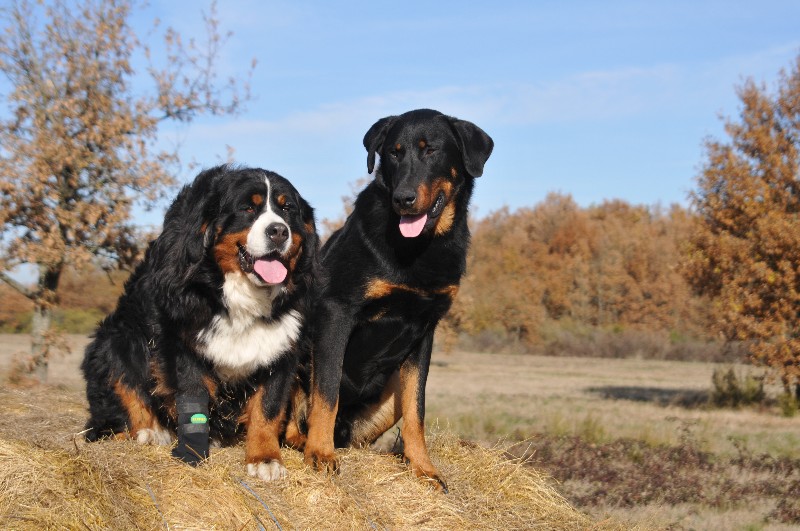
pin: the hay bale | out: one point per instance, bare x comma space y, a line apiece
50, 478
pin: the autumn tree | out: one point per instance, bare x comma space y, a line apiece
746, 244
78, 140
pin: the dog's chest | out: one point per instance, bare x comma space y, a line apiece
241, 341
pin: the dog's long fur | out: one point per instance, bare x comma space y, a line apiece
206, 327
388, 277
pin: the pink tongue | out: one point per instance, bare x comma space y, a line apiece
271, 271
411, 226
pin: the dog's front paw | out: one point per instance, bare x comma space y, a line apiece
438, 483
189, 455
321, 459
271, 470
430, 475
192, 448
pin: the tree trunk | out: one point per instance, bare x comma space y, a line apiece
44, 302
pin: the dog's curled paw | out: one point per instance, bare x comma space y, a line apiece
271, 470
322, 460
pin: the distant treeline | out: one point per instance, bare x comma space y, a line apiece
556, 278
604, 280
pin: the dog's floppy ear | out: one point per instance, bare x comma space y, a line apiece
307, 215
191, 219
203, 211
189, 230
373, 140
476, 145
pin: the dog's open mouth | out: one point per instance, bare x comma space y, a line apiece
412, 226
268, 268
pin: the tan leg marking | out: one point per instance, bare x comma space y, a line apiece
319, 450
143, 425
297, 414
378, 417
262, 446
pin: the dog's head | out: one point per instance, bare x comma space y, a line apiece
251, 222
425, 157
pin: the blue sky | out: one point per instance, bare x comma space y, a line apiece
599, 100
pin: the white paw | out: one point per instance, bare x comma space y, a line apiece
158, 436
268, 471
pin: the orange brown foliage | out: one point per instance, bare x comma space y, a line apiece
611, 265
91, 289
15, 309
745, 246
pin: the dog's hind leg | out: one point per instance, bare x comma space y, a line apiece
107, 417
296, 428
143, 425
374, 420
117, 405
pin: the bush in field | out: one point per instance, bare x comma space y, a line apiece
789, 404
732, 390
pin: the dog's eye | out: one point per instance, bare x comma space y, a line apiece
430, 151
250, 209
287, 207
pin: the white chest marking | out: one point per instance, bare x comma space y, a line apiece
242, 341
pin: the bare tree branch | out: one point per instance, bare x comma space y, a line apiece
27, 292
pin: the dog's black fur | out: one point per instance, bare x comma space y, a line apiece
206, 326
388, 276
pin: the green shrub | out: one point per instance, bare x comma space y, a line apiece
732, 390
789, 404
77, 321
19, 324
69, 320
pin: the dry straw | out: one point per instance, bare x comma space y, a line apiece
51, 479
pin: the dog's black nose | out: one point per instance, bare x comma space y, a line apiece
278, 233
404, 198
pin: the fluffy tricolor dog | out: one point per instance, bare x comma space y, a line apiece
202, 342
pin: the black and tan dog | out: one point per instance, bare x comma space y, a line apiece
203, 340
388, 277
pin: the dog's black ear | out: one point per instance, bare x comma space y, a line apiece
202, 212
307, 215
476, 145
373, 140
192, 217
189, 231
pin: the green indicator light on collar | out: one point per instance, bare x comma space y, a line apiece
198, 418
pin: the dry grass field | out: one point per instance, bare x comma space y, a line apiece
575, 419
